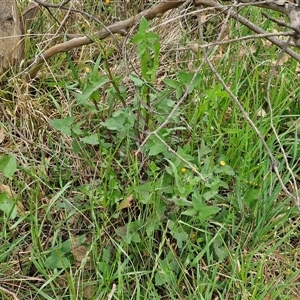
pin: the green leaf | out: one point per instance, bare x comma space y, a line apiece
144, 25
114, 123
181, 237
91, 88
129, 233
8, 205
141, 50
219, 249
156, 149
63, 125
92, 139
155, 146
136, 80
76, 128
56, 260
172, 83
77, 146
181, 201
178, 92
138, 38
8, 165
203, 150
182, 153
190, 212
66, 247
178, 182
145, 192
160, 278
189, 79
232, 130
205, 211
210, 194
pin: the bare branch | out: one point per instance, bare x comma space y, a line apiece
250, 25
120, 27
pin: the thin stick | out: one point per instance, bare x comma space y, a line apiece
294, 182
113, 290
6, 291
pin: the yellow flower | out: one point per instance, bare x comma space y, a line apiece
183, 170
222, 163
87, 70
106, 1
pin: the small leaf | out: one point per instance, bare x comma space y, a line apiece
219, 249
210, 194
156, 149
206, 212
57, 261
91, 88
92, 139
8, 165
181, 237
63, 125
190, 212
181, 201
136, 80
144, 25
178, 181
203, 150
172, 83
145, 192
189, 79
160, 278
8, 206
66, 247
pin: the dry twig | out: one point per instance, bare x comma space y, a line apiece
120, 27
6, 291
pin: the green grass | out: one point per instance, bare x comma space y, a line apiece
84, 216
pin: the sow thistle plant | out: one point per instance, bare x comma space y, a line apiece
168, 176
